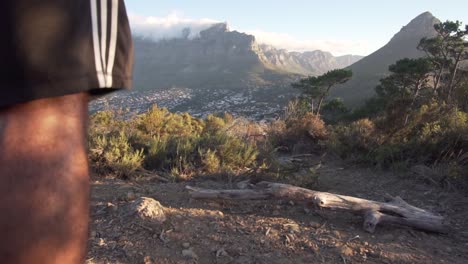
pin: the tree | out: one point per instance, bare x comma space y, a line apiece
446, 51
318, 88
461, 93
408, 78
334, 111
433, 47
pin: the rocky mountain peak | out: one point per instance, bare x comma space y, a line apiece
424, 16
214, 30
420, 26
423, 21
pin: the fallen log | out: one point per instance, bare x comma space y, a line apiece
397, 211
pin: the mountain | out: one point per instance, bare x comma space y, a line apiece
222, 58
306, 63
216, 57
368, 71
219, 70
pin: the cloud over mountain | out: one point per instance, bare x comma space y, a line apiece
176, 25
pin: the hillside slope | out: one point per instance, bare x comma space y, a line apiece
368, 71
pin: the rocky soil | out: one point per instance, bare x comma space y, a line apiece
127, 227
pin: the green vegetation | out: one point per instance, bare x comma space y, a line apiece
446, 52
418, 116
318, 88
177, 144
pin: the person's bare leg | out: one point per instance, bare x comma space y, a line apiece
44, 182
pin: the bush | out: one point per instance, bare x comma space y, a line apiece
114, 154
297, 108
176, 143
355, 141
298, 134
434, 134
210, 161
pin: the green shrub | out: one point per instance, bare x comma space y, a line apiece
233, 153
298, 134
176, 143
355, 141
210, 161
434, 134
213, 124
297, 108
116, 155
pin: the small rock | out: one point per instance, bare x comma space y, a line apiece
131, 196
93, 234
448, 250
276, 213
188, 253
112, 207
347, 251
101, 242
221, 253
186, 245
148, 260
148, 209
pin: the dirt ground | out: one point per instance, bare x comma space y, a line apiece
273, 231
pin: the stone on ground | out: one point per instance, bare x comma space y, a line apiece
148, 209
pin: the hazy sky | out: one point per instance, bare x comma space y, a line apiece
341, 27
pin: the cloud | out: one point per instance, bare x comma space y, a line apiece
288, 42
174, 25
171, 26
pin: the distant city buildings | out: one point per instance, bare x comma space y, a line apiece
255, 102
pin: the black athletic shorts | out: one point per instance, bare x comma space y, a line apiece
53, 48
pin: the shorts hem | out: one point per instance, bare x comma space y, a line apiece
55, 88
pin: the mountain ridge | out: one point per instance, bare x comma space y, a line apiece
219, 54
368, 71
223, 70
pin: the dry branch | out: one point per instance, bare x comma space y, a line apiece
149, 175
397, 211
